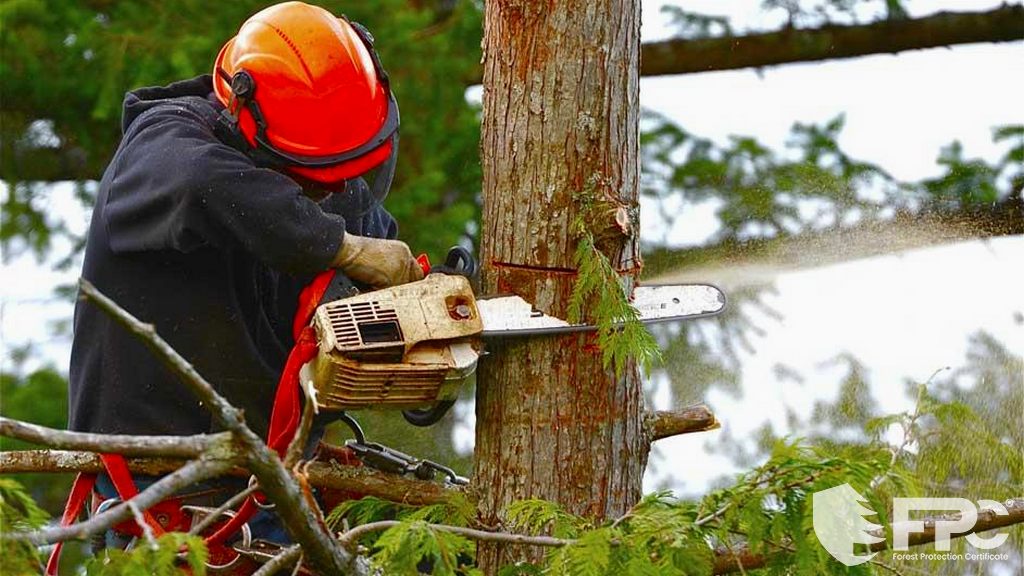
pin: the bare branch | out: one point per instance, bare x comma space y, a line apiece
187, 475
275, 482
667, 423
63, 461
212, 518
298, 443
166, 446
987, 520
349, 538
287, 557
360, 480
147, 530
1004, 24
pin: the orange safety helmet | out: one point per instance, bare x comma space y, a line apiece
305, 91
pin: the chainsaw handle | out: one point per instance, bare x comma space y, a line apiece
458, 262
428, 416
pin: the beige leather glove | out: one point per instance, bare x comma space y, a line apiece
379, 263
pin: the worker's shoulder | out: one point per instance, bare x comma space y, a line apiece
188, 102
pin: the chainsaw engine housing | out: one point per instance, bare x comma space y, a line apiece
407, 346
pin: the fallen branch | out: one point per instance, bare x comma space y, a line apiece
275, 481
361, 480
165, 446
667, 423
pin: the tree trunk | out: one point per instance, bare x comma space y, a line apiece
560, 119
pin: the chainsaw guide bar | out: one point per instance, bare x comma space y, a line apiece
513, 317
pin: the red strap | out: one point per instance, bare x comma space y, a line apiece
287, 411
80, 490
121, 478
309, 299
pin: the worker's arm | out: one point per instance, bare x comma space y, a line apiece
174, 185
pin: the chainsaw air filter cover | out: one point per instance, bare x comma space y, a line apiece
407, 346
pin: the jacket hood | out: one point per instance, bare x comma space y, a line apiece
139, 101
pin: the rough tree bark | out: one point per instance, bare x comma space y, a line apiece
560, 119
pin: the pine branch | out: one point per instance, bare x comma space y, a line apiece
667, 423
275, 482
361, 480
165, 446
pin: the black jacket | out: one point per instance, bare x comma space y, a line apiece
189, 235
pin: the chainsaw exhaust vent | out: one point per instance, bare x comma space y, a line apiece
406, 346
367, 330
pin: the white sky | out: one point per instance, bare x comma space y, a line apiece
903, 315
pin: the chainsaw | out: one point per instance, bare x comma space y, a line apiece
413, 346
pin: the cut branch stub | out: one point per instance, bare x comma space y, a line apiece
667, 423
